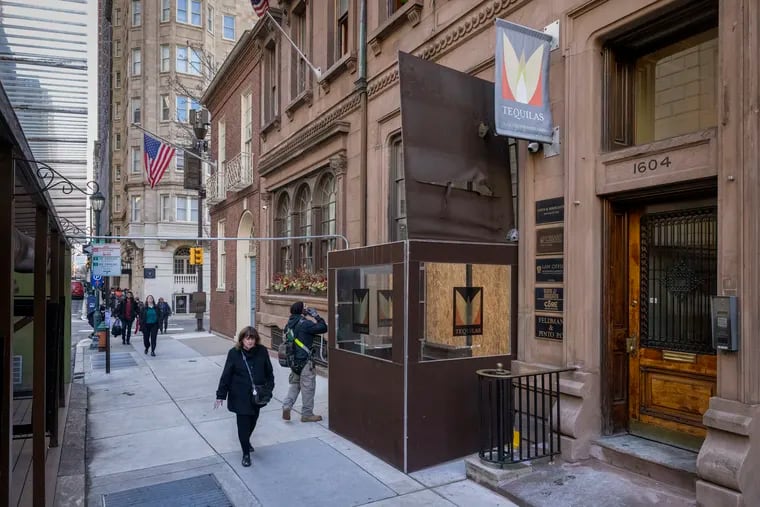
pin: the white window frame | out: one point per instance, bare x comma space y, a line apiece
166, 108
135, 213
186, 11
186, 213
116, 48
117, 110
222, 140
166, 11
195, 62
199, 4
225, 17
179, 161
117, 17
166, 58
135, 160
210, 19
117, 141
221, 265
136, 110
181, 62
117, 203
136, 63
117, 79
165, 207
136, 13
117, 172
246, 122
189, 104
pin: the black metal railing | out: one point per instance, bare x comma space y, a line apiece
519, 415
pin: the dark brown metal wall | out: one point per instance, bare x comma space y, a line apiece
367, 404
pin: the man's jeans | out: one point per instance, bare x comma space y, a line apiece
306, 384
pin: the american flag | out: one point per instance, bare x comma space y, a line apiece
260, 7
157, 158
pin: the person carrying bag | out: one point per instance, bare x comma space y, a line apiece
247, 382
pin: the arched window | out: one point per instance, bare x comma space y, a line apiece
283, 226
326, 211
182, 264
302, 215
397, 201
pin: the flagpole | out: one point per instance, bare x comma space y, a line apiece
176, 146
317, 71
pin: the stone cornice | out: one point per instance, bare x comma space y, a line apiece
312, 136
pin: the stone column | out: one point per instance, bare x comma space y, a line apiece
338, 165
730, 456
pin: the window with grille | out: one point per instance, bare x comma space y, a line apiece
283, 228
302, 217
326, 199
678, 275
397, 203
182, 264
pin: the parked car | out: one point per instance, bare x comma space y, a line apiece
77, 289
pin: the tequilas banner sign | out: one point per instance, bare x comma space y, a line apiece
522, 82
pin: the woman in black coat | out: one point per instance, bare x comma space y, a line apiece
236, 383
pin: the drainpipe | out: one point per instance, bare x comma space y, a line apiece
361, 87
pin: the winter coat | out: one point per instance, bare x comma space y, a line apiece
123, 308
305, 330
235, 384
143, 320
166, 310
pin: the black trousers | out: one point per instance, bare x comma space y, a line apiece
164, 324
126, 326
150, 332
245, 425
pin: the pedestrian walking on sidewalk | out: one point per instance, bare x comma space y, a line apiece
149, 321
127, 312
306, 324
166, 310
246, 383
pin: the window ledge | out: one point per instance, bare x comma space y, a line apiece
274, 124
346, 63
409, 12
305, 97
221, 289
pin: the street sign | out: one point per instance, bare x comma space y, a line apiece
96, 281
106, 259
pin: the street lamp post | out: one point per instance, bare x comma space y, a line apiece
200, 121
97, 201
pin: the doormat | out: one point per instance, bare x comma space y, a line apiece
200, 491
118, 360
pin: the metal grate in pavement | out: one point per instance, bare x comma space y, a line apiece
200, 491
118, 360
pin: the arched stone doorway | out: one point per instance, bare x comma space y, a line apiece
245, 271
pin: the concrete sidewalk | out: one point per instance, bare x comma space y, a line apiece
151, 422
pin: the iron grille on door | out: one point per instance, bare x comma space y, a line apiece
678, 276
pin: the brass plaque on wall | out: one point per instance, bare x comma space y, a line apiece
549, 327
549, 211
550, 270
550, 240
550, 299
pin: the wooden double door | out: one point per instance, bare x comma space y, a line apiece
661, 365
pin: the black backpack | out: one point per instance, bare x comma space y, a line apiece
286, 353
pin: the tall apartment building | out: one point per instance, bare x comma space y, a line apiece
165, 53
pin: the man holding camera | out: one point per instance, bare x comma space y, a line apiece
305, 323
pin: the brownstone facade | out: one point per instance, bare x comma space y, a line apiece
655, 123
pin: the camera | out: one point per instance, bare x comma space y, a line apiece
311, 312
534, 147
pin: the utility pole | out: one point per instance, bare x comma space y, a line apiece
200, 122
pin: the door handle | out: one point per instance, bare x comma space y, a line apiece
631, 345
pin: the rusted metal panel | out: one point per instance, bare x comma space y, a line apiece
458, 185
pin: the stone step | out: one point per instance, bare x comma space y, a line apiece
664, 463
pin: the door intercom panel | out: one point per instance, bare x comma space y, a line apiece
724, 317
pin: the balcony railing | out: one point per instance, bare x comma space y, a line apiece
215, 192
186, 279
238, 172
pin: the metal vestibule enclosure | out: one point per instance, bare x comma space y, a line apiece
404, 345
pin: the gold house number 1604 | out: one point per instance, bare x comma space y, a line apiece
652, 164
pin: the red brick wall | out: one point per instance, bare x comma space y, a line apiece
225, 105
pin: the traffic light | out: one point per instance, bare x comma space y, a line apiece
196, 255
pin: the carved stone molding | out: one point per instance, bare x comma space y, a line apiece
291, 150
274, 124
305, 97
338, 165
410, 12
